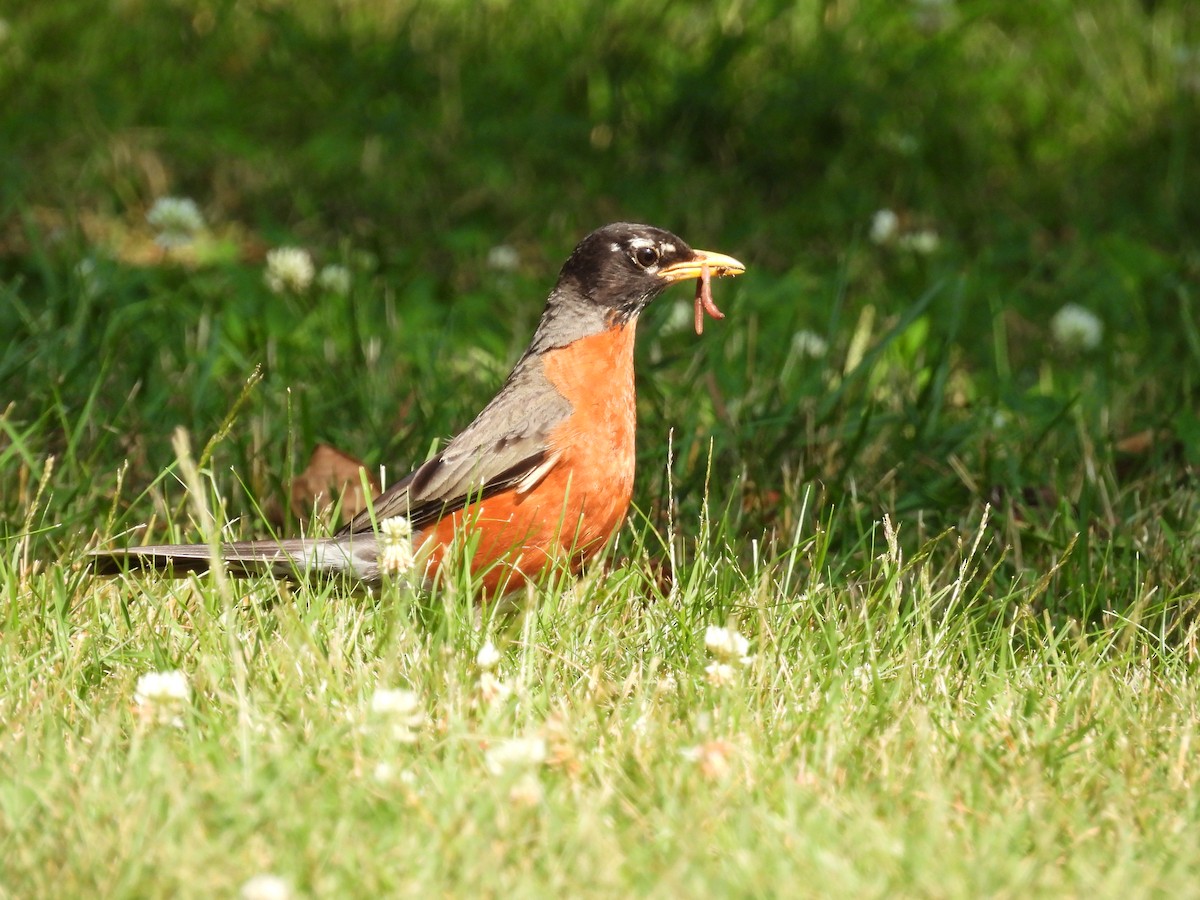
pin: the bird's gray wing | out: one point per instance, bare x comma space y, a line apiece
507, 445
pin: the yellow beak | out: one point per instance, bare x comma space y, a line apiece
719, 265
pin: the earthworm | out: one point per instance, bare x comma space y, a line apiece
704, 299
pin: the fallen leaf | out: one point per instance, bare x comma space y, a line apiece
1139, 443
331, 476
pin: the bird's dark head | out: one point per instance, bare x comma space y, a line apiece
621, 267
612, 274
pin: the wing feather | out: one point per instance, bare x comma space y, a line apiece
507, 445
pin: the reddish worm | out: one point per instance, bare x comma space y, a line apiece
704, 300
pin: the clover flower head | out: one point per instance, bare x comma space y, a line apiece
176, 221
527, 791
492, 690
923, 242
265, 887
386, 772
504, 258
720, 674
401, 709
515, 753
396, 560
162, 696
334, 279
396, 553
289, 269
725, 643
809, 345
884, 226
488, 656
395, 702
395, 529
1076, 328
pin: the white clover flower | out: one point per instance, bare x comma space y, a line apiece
923, 242
720, 674
1076, 328
402, 710
395, 559
386, 772
395, 702
396, 553
162, 696
488, 656
515, 753
157, 687
725, 643
265, 887
383, 772
176, 219
884, 225
527, 791
289, 269
504, 258
395, 529
492, 689
334, 279
809, 345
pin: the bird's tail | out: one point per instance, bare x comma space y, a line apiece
297, 558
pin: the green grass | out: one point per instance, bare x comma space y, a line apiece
971, 600
882, 740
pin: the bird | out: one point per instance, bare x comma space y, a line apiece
542, 477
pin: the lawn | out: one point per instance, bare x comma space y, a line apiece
936, 469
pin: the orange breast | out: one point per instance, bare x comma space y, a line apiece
581, 502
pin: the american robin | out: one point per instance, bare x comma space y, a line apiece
544, 474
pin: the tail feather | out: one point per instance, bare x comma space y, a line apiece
292, 559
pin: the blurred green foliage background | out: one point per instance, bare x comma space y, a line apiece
1047, 152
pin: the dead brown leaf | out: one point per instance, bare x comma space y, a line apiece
1139, 443
331, 476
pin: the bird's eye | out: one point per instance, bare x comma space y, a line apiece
646, 256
